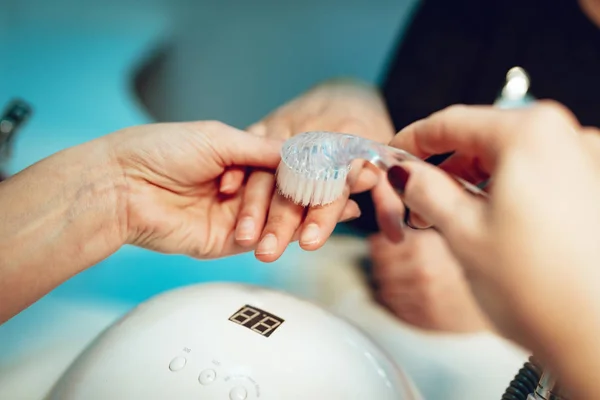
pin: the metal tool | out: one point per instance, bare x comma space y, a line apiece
16, 113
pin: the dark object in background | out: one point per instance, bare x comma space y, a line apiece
524, 382
13, 118
458, 52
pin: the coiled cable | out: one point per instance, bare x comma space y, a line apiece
524, 383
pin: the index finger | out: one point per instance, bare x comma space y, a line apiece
468, 129
480, 131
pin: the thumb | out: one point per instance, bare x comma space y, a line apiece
440, 201
245, 149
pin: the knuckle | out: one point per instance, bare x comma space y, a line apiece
418, 248
214, 126
252, 210
430, 294
424, 275
277, 220
260, 180
455, 109
259, 201
258, 129
383, 271
352, 125
426, 302
411, 252
258, 192
280, 220
549, 114
200, 251
554, 109
429, 317
417, 186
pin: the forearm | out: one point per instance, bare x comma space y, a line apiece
558, 319
57, 218
570, 343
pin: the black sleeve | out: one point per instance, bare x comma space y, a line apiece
438, 59
433, 67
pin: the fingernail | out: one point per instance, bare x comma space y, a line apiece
402, 221
406, 219
413, 221
226, 188
245, 229
416, 222
397, 235
398, 178
310, 234
351, 218
268, 245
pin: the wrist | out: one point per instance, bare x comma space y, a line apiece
60, 216
93, 197
112, 191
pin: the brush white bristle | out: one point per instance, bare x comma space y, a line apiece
313, 168
309, 192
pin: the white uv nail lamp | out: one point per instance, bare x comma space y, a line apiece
232, 342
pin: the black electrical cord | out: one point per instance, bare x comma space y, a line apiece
524, 383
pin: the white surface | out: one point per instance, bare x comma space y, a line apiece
310, 355
46, 355
449, 367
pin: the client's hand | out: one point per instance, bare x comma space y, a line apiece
155, 186
172, 174
338, 106
530, 250
420, 281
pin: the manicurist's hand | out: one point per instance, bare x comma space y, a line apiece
531, 250
420, 281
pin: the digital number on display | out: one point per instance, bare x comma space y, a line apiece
257, 320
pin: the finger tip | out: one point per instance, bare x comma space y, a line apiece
228, 190
229, 186
312, 246
266, 257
